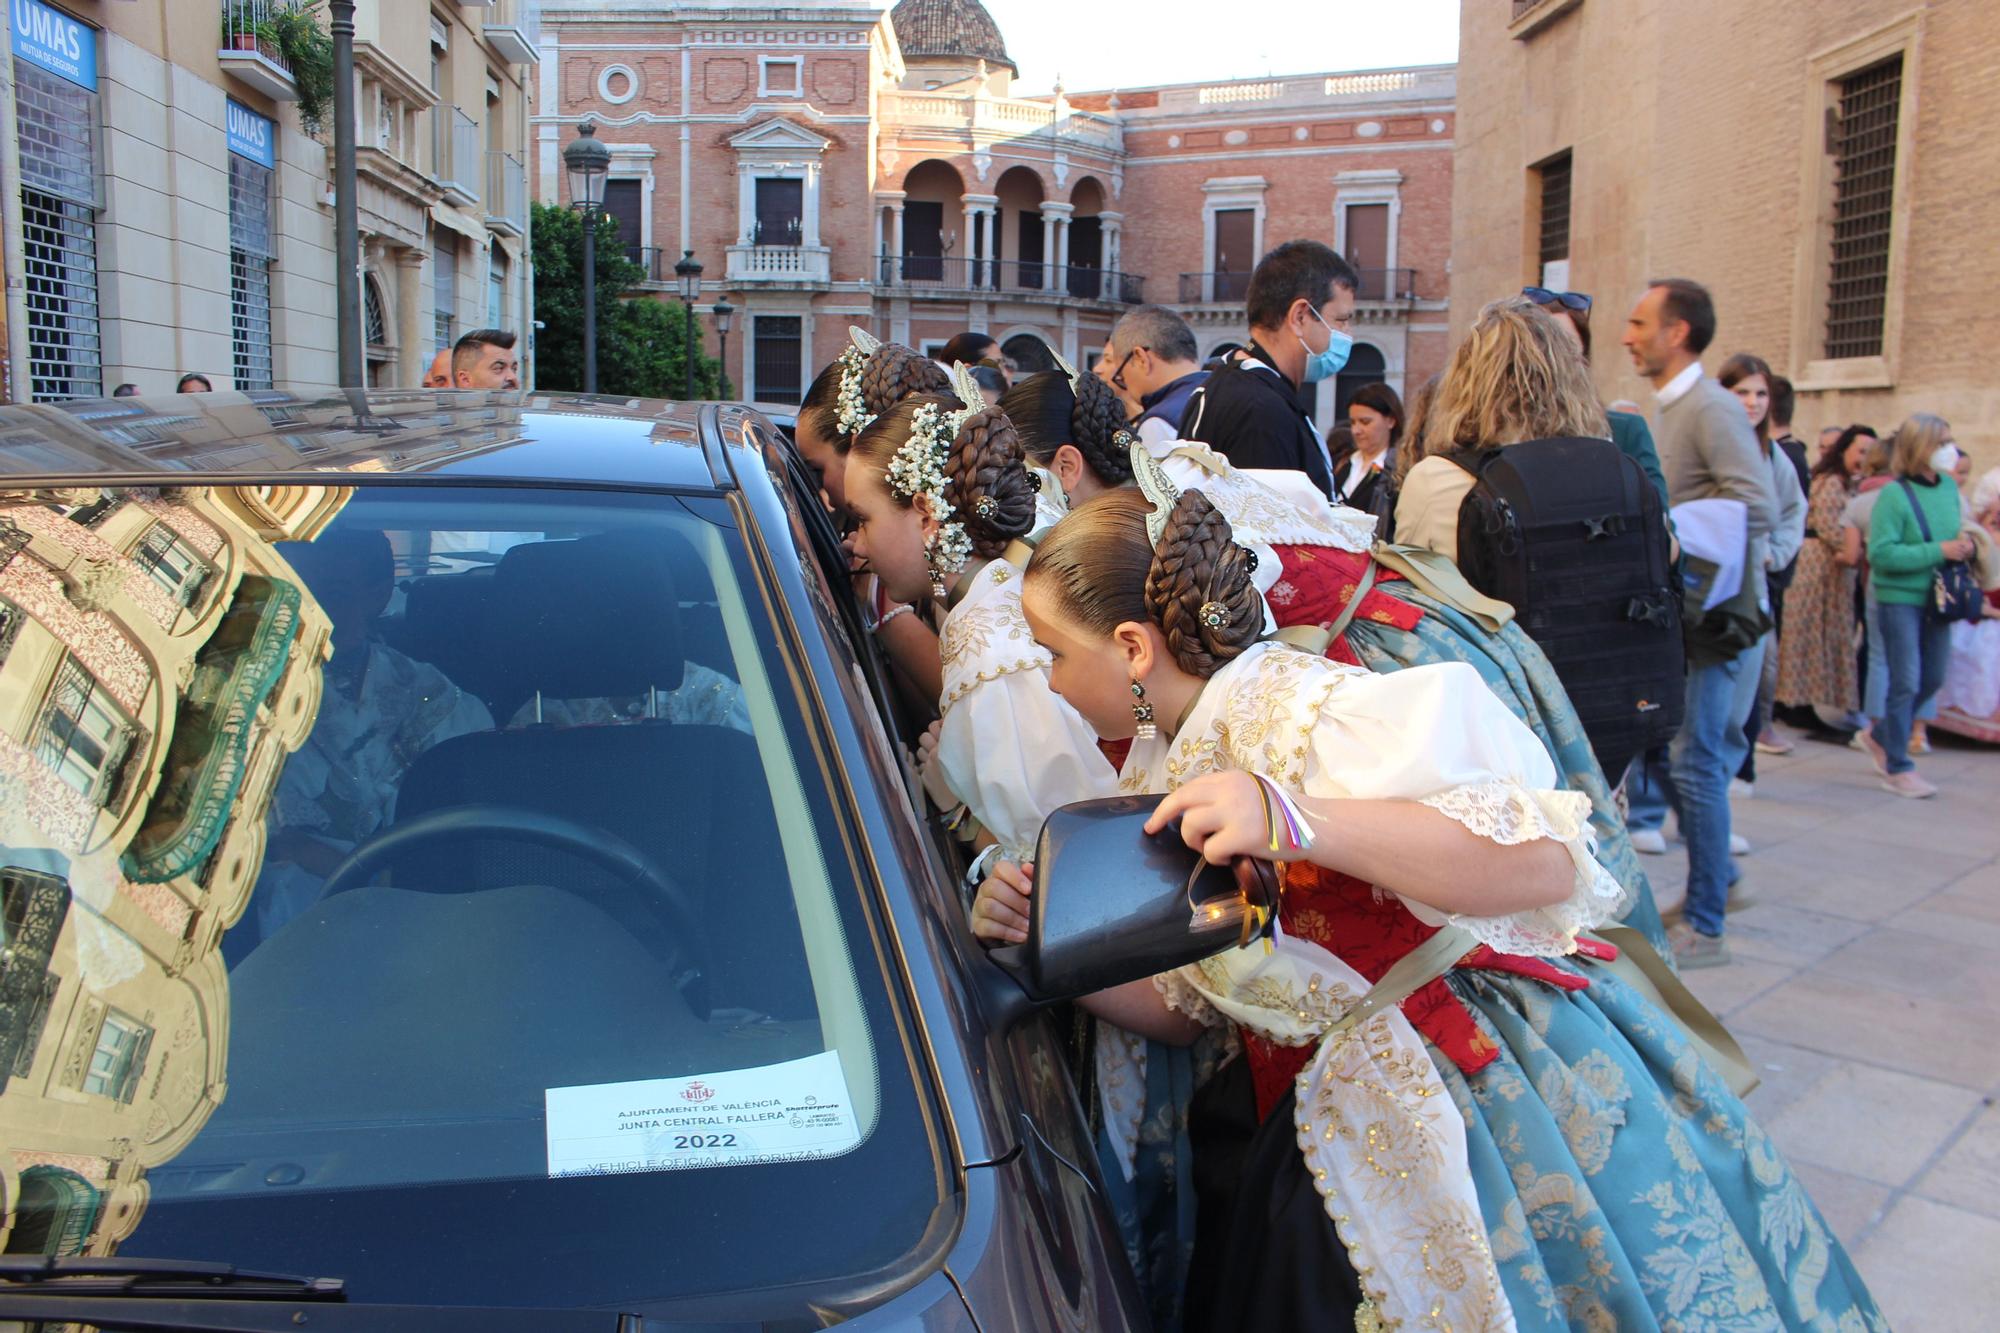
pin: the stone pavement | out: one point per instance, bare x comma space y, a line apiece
1865, 986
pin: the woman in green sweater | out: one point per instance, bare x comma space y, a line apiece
1902, 560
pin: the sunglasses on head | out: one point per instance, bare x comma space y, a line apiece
1576, 301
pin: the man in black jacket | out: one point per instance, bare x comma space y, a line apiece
1300, 304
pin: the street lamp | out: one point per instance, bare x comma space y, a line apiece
588, 162
687, 271
346, 217
725, 315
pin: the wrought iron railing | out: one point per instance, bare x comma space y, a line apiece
1373, 284
1018, 276
246, 26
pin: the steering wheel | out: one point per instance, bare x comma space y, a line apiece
647, 902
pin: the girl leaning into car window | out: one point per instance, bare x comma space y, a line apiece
1314, 565
863, 381
1522, 1143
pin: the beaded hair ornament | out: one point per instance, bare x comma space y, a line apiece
854, 415
918, 469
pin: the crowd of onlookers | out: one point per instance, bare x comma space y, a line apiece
1845, 624
481, 359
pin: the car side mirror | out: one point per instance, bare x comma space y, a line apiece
1113, 903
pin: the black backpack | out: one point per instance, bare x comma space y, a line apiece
1572, 534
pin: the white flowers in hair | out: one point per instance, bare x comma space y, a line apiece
918, 469
854, 414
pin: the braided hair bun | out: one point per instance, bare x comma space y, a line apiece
894, 372
1098, 429
1199, 591
987, 482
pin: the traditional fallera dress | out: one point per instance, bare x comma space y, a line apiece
1525, 1143
1816, 658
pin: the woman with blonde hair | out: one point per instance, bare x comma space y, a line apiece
1517, 376
1914, 531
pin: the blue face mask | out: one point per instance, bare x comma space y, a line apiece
1327, 364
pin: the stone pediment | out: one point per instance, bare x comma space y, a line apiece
779, 136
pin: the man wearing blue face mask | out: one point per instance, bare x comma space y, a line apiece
1300, 304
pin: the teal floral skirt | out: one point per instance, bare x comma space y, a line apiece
1624, 1186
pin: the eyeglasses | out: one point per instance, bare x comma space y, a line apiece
1577, 301
1118, 375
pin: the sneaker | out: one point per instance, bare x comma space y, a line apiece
1772, 743
1741, 790
1739, 845
1739, 899
1866, 743
1694, 950
1649, 842
1908, 784
1920, 739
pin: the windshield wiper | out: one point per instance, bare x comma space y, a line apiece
181, 1296
149, 1277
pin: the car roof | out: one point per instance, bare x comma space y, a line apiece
409, 434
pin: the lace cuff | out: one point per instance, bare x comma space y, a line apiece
1183, 996
1510, 815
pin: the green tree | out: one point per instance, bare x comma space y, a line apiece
641, 340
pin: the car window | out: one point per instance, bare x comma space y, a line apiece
408, 884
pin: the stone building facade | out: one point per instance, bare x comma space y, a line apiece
1822, 167
840, 164
158, 662
166, 212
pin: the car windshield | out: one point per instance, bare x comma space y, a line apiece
438, 889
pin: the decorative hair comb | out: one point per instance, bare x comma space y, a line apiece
1067, 369
1156, 486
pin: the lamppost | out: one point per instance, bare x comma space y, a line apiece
688, 272
588, 162
346, 221
725, 315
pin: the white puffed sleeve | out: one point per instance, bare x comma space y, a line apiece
1012, 750
1437, 735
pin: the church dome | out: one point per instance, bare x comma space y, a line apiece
949, 29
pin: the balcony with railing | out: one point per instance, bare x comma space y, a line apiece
1001, 118
250, 52
780, 263
455, 154
514, 30
506, 194
1009, 277
1378, 286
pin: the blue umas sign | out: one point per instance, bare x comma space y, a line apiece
55, 41
250, 135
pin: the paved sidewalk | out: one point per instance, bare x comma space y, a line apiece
1866, 987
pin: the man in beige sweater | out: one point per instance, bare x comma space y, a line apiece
1707, 451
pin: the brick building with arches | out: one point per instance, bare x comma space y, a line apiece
843, 164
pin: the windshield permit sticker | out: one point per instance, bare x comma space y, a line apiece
774, 1113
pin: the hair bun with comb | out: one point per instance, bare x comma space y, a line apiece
1199, 590
893, 372
988, 482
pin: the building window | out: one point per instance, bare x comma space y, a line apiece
115, 1065
56, 1214
82, 734
777, 358
374, 322
496, 290
250, 252
58, 152
11, 620
444, 288
171, 563
625, 201
1232, 219
1861, 139
1235, 252
1552, 230
779, 76
781, 211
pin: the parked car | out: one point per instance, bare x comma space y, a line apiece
460, 872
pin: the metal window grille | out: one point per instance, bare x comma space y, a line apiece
250, 251
1862, 139
122, 1046
57, 128
1555, 209
373, 320
58, 134
172, 563
83, 735
779, 357
445, 286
